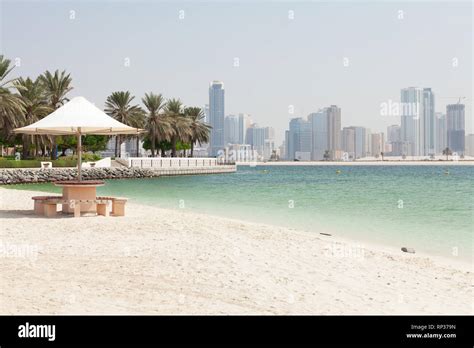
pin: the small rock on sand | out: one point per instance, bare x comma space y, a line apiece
408, 250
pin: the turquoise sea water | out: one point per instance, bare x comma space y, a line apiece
416, 206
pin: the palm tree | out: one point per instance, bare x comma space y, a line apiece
157, 124
36, 107
180, 123
57, 85
12, 106
118, 106
447, 151
200, 131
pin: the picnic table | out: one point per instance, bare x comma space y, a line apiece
80, 190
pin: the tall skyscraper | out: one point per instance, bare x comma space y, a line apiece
287, 140
368, 142
418, 121
269, 144
455, 124
216, 116
299, 137
244, 123
428, 122
258, 139
326, 133
377, 144
319, 132
349, 141
334, 131
440, 133
359, 141
411, 113
232, 130
469, 148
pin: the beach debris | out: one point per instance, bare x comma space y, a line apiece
325, 234
408, 250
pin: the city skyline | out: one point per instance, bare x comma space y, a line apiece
276, 68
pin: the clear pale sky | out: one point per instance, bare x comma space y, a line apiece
283, 61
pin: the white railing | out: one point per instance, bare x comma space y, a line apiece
171, 162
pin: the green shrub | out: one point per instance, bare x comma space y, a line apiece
90, 157
61, 163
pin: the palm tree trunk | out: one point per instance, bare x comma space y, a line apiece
138, 146
26, 144
53, 146
192, 148
116, 146
119, 139
173, 146
152, 143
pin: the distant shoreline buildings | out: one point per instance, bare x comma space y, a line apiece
236, 133
422, 132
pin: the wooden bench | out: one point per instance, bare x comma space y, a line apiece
47, 205
118, 204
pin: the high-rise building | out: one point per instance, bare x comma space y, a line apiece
326, 133
360, 140
334, 132
428, 123
393, 134
377, 144
261, 139
216, 116
258, 139
282, 150
440, 133
417, 128
455, 125
299, 138
231, 130
319, 133
411, 113
349, 142
394, 140
244, 123
469, 145
368, 142
269, 142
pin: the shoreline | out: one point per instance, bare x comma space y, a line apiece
185, 265
358, 163
461, 263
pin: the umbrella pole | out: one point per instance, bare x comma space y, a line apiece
79, 155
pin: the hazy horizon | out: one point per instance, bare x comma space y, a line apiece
285, 58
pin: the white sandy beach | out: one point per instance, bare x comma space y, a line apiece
156, 261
